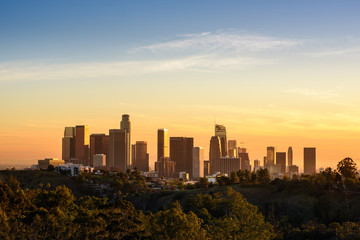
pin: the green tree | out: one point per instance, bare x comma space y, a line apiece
174, 224
347, 168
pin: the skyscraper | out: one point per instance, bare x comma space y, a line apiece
309, 160
117, 146
198, 162
244, 159
181, 152
99, 144
125, 125
163, 144
281, 160
215, 154
270, 157
141, 156
220, 131
82, 144
232, 148
290, 156
68, 144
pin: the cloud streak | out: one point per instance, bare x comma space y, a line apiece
44, 71
223, 40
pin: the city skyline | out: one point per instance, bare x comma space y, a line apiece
288, 71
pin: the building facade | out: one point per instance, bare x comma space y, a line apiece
220, 131
215, 154
281, 160
198, 162
229, 164
309, 160
141, 156
99, 144
125, 126
181, 152
162, 144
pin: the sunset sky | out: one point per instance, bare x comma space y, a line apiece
275, 73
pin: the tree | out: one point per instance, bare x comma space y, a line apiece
173, 223
203, 183
347, 168
51, 167
234, 178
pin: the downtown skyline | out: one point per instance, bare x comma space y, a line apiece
274, 73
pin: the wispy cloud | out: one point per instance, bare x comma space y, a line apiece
44, 71
320, 94
337, 52
223, 40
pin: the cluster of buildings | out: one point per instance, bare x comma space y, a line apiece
177, 157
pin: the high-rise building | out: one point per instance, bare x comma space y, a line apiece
220, 131
232, 148
181, 152
215, 154
256, 163
270, 157
165, 167
141, 156
163, 144
206, 168
281, 160
229, 164
133, 153
198, 162
117, 158
125, 125
290, 156
99, 144
68, 144
309, 160
82, 144
244, 159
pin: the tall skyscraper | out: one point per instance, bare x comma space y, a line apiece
215, 154
232, 148
256, 163
220, 131
270, 157
68, 144
99, 144
181, 152
198, 162
309, 160
141, 156
163, 144
290, 156
82, 144
281, 160
117, 146
125, 125
244, 159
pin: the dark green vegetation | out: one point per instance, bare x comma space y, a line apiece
323, 206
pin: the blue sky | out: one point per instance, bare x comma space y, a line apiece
83, 30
